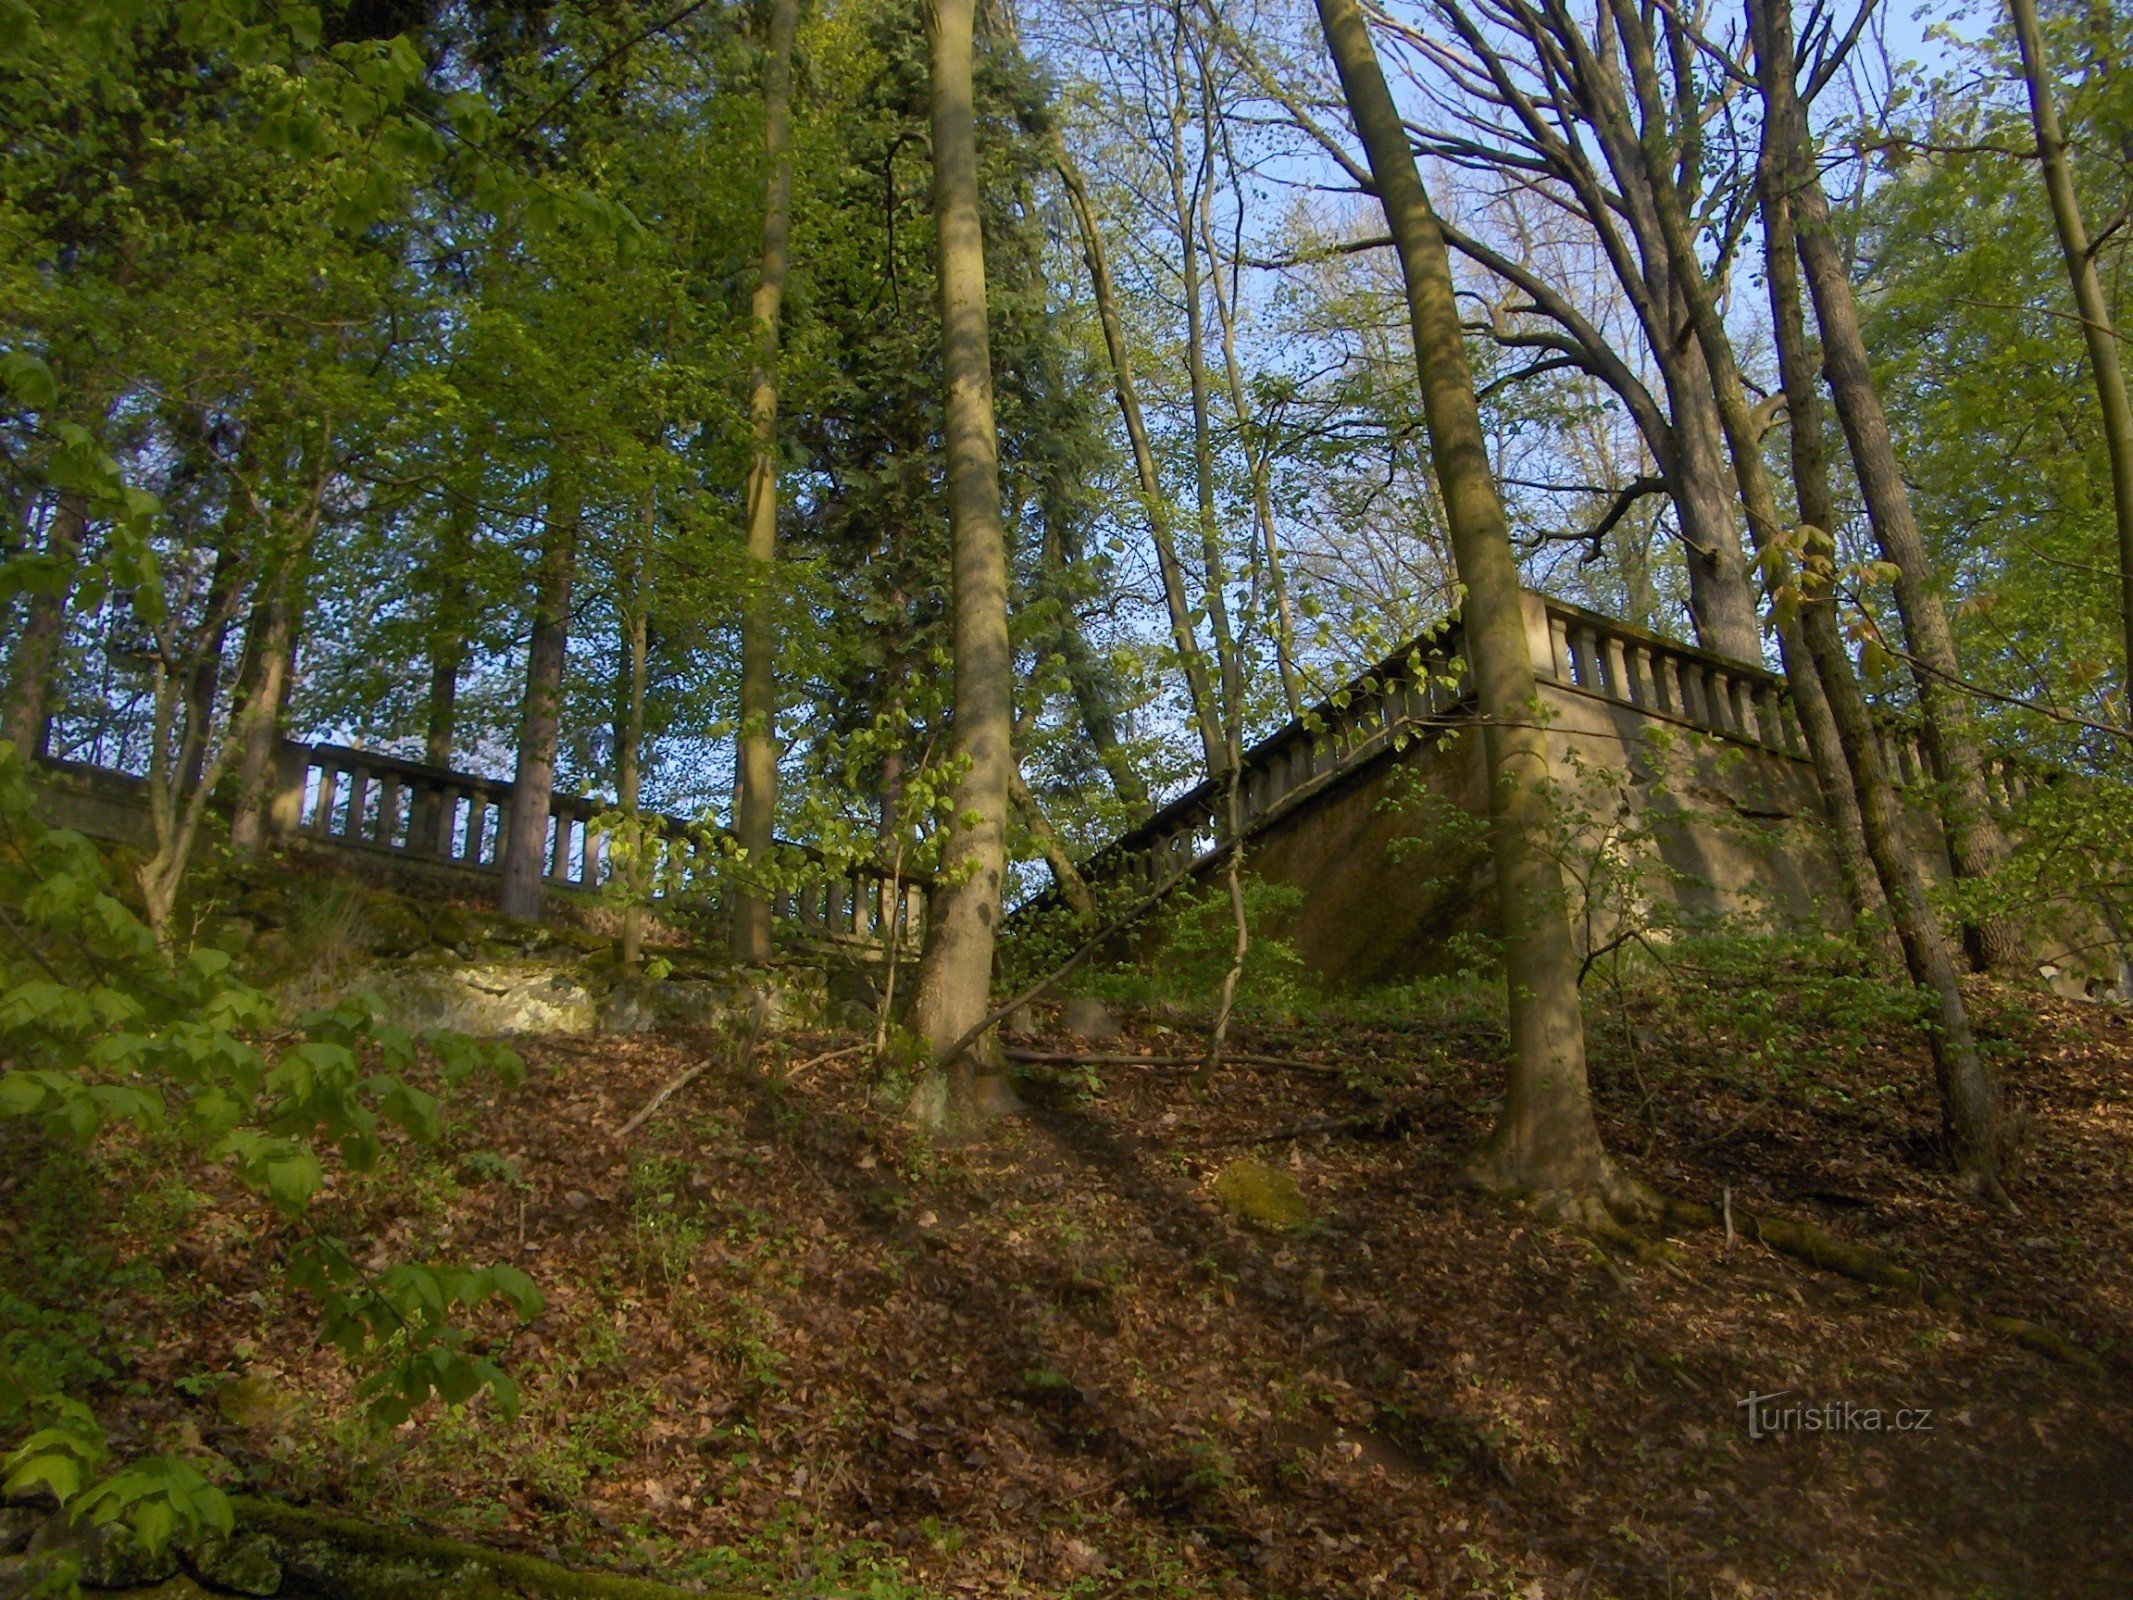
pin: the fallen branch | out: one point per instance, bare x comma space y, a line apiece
1377, 1125
1073, 1058
392, 1550
680, 1082
826, 1056
1805, 1242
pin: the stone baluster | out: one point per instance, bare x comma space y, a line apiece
388, 830
1770, 716
1740, 701
329, 786
559, 842
1671, 699
1584, 658
1616, 658
1641, 687
1559, 647
833, 906
358, 801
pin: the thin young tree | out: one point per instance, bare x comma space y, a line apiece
1546, 1139
756, 803
2097, 332
955, 973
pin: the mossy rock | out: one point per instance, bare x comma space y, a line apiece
252, 1401
392, 927
1260, 1196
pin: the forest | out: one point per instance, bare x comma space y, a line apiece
902, 798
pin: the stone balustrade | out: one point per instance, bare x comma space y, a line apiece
361, 800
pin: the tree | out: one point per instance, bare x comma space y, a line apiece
1546, 1139
955, 975
756, 802
2097, 332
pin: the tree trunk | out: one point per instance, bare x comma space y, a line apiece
1976, 846
1183, 637
27, 722
2095, 312
1969, 1094
1214, 572
264, 675
755, 807
1546, 1139
1810, 473
955, 973
1066, 877
525, 844
629, 747
204, 681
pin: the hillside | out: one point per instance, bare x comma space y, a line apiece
789, 1350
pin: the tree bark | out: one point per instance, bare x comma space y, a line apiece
2095, 311
1969, 1092
1184, 639
629, 743
1810, 472
1066, 877
28, 721
955, 973
1976, 847
755, 807
525, 844
264, 675
204, 681
1546, 1138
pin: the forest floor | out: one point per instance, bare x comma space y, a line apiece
788, 1348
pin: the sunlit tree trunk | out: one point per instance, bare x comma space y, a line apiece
264, 675
1546, 1139
525, 843
1797, 362
1976, 847
2095, 311
1969, 1091
32, 662
955, 973
756, 800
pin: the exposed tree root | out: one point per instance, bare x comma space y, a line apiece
1807, 1243
373, 1562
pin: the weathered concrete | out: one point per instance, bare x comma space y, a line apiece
1686, 798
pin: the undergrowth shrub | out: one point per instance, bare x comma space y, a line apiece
103, 1030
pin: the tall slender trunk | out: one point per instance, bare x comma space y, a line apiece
955, 973
1251, 437
1184, 639
629, 740
755, 806
1188, 204
1976, 847
525, 843
1969, 1092
2095, 311
1546, 1138
450, 595
27, 719
1810, 471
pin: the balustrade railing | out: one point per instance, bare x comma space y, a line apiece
361, 800
1571, 648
